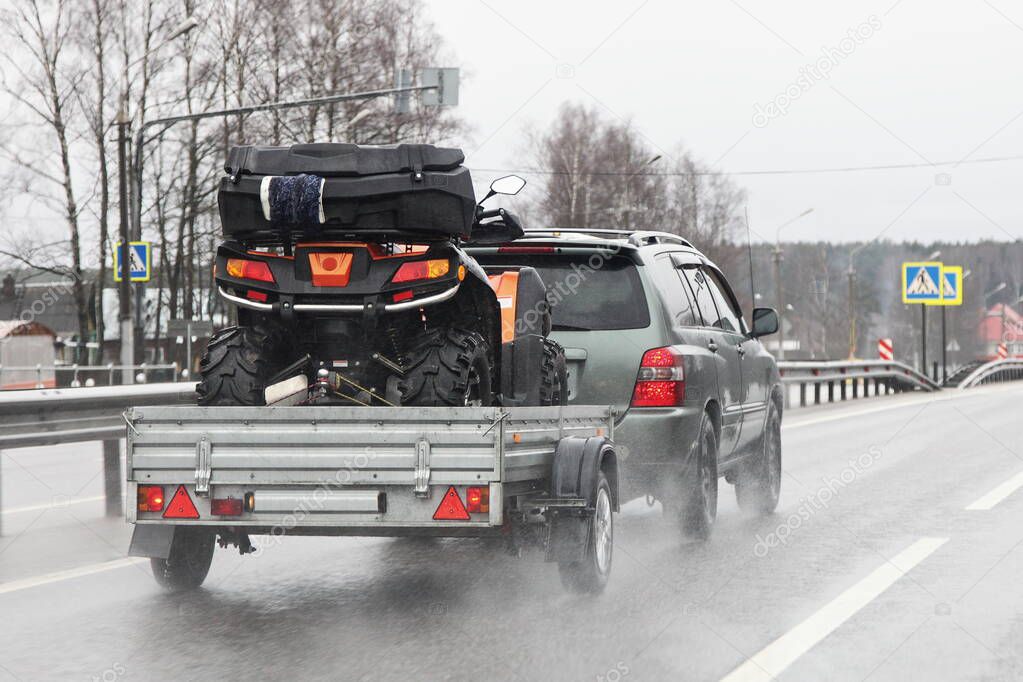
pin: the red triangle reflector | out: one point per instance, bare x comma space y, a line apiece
451, 508
181, 506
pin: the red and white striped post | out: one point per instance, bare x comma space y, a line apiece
1003, 351
886, 349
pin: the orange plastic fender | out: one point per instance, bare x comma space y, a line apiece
505, 286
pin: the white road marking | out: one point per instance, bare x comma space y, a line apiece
782, 652
998, 494
17, 585
887, 405
53, 505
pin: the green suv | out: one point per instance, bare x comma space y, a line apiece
651, 326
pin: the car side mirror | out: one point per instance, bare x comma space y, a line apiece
765, 322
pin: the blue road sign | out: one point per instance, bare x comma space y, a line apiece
921, 283
140, 267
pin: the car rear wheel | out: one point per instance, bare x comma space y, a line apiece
758, 484
696, 509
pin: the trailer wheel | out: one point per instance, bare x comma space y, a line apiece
554, 375
589, 574
448, 368
237, 364
186, 566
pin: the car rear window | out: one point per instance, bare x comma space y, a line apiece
584, 297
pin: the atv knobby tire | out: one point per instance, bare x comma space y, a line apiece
449, 367
237, 364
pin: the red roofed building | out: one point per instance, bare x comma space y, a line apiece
1001, 324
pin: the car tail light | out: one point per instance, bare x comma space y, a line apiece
451, 507
422, 269
661, 381
229, 506
150, 498
249, 269
478, 499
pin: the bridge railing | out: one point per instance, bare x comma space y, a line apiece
829, 381
1010, 369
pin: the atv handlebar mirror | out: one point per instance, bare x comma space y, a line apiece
509, 185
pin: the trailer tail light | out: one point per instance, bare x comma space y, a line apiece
422, 269
181, 506
661, 381
451, 507
249, 269
230, 506
150, 498
478, 499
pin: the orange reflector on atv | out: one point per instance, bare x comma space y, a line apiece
451, 507
181, 506
330, 269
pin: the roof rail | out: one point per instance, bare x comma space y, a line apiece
634, 237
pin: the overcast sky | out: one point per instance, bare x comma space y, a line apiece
861, 84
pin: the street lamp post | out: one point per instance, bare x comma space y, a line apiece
123, 122
779, 289
851, 274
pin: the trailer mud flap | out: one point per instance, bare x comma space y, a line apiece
152, 541
569, 533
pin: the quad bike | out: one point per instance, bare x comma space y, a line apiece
346, 266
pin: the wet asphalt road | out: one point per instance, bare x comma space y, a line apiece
863, 482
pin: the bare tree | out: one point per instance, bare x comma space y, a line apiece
47, 78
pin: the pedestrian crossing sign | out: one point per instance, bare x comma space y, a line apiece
922, 283
952, 285
140, 266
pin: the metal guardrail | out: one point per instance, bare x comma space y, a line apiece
843, 379
74, 415
86, 375
997, 370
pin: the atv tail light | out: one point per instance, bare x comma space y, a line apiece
249, 269
422, 269
661, 381
330, 269
150, 498
230, 506
478, 499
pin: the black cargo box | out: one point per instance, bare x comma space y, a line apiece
279, 194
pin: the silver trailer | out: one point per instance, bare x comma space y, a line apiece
535, 475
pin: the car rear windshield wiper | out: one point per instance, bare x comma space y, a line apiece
569, 328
